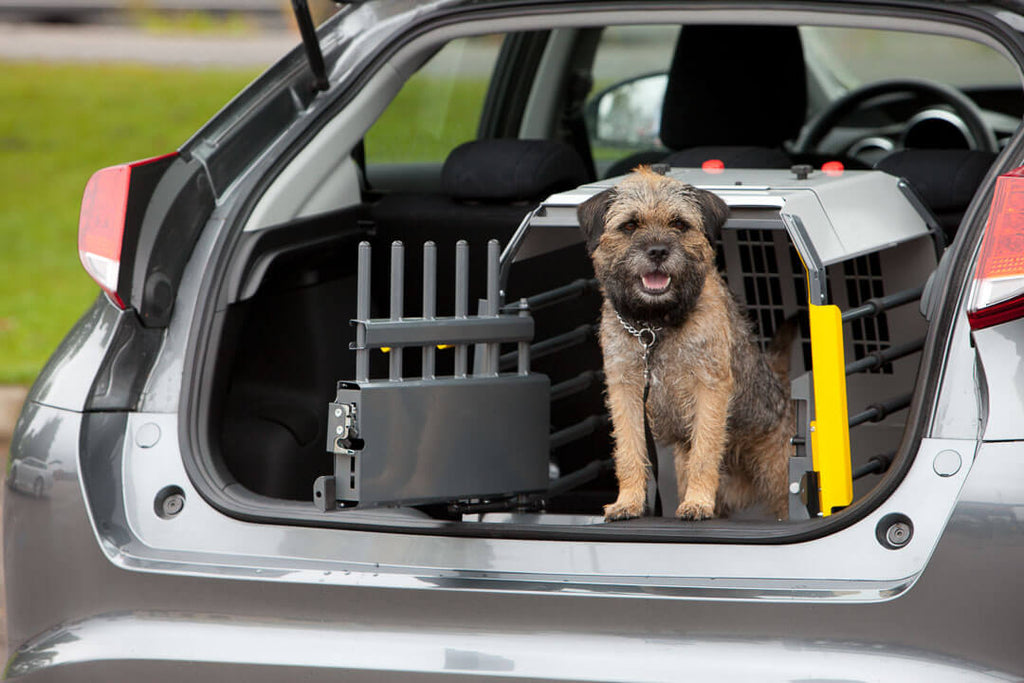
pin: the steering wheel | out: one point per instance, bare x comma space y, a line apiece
982, 136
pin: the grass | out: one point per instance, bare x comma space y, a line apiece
59, 123
428, 118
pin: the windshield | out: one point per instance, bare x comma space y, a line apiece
857, 56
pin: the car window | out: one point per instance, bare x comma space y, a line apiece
624, 109
438, 108
857, 56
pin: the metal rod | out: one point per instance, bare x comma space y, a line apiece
877, 359
879, 411
583, 428
577, 384
429, 302
461, 300
480, 362
397, 305
492, 351
557, 295
581, 476
447, 330
876, 465
524, 346
877, 305
362, 311
548, 346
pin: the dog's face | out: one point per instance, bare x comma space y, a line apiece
651, 238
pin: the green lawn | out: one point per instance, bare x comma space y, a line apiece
58, 124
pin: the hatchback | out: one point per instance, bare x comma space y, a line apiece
338, 410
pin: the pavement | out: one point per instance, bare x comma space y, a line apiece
110, 43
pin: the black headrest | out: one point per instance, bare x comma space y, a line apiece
730, 156
735, 85
508, 170
945, 179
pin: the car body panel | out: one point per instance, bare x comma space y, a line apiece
937, 629
102, 586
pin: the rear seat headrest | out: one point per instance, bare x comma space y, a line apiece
945, 179
509, 170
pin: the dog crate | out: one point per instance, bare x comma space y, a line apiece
843, 251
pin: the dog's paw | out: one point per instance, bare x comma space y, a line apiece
695, 511
619, 510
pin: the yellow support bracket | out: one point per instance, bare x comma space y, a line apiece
830, 430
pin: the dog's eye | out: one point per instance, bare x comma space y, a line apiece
677, 223
629, 226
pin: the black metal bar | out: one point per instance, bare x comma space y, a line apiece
879, 411
523, 348
363, 311
877, 359
577, 384
873, 307
559, 294
552, 345
429, 303
876, 465
445, 330
581, 476
461, 301
583, 428
397, 305
311, 43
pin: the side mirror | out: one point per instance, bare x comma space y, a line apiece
628, 113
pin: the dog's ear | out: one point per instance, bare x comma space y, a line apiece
590, 215
714, 212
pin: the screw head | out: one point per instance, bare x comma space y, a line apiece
894, 531
173, 504
169, 502
898, 534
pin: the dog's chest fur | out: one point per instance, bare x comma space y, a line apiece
689, 360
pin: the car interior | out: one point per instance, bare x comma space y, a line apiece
285, 337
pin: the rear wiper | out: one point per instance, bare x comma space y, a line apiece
312, 44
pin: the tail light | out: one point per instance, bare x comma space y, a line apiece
103, 223
997, 294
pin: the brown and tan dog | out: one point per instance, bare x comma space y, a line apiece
722, 404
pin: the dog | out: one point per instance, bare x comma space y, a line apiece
670, 323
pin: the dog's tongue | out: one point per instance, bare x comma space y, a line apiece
655, 281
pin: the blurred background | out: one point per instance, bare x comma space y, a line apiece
86, 84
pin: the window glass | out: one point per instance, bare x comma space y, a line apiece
624, 109
857, 56
439, 107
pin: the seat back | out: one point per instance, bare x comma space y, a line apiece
945, 179
734, 93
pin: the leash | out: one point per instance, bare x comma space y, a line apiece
647, 336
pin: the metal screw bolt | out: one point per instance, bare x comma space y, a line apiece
337, 412
898, 534
173, 504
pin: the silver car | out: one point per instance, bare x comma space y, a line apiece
337, 412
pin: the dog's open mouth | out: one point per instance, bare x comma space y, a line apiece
655, 282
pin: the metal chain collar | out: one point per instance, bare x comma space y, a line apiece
647, 336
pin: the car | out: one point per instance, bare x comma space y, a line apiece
338, 411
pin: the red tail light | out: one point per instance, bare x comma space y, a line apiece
997, 294
102, 222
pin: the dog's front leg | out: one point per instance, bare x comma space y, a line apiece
707, 444
625, 401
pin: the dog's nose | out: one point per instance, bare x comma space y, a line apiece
657, 253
